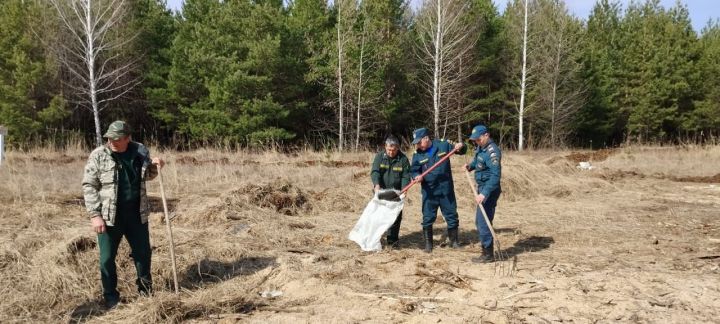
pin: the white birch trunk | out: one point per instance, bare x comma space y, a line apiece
521, 112
341, 106
360, 86
437, 68
89, 54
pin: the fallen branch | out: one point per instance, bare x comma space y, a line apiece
453, 281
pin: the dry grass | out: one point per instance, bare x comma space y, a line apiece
589, 245
679, 161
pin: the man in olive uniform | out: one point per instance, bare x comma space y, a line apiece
117, 204
486, 165
391, 170
437, 186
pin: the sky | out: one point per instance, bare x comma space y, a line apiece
700, 10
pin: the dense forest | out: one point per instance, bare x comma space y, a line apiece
346, 73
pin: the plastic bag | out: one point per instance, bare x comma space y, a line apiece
377, 218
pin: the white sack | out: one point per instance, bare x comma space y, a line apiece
377, 218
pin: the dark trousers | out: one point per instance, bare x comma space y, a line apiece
138, 237
489, 205
445, 200
394, 231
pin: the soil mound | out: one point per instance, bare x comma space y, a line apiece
279, 196
594, 156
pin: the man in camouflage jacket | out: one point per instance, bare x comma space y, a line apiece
117, 204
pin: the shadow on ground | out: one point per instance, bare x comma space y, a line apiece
208, 271
528, 244
86, 311
414, 240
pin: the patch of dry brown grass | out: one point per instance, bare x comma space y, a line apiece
674, 161
249, 222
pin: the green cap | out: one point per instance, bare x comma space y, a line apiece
117, 130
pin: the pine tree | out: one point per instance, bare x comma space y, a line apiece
704, 121
657, 64
155, 27
225, 59
28, 100
487, 97
598, 123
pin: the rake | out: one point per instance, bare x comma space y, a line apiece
496, 242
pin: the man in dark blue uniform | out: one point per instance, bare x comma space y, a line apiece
486, 165
437, 186
391, 170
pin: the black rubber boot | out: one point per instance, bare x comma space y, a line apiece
453, 237
428, 236
487, 256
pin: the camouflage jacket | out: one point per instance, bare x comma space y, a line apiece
100, 183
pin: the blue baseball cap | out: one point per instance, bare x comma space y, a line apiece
478, 131
418, 134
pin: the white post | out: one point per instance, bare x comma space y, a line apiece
3, 133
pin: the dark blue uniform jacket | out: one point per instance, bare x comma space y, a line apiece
439, 181
487, 167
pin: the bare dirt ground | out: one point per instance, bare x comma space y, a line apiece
636, 239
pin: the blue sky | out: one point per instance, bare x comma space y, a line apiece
700, 10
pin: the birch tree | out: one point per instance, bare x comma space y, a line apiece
559, 87
446, 40
344, 30
361, 64
521, 63
91, 53
523, 78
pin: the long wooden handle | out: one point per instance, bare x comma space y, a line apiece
169, 231
404, 190
482, 209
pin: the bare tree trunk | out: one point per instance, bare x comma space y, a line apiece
341, 107
445, 40
437, 71
88, 54
559, 84
360, 74
555, 82
552, 117
90, 59
521, 112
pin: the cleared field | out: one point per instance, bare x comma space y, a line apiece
636, 239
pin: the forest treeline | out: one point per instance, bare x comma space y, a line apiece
344, 74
